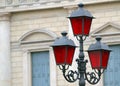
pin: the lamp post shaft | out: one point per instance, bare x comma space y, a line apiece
81, 54
81, 63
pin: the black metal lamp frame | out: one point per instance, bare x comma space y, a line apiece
81, 74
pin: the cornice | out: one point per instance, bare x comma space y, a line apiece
40, 6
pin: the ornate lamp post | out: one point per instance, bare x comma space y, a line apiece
64, 49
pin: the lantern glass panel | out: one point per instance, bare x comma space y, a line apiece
76, 25
64, 54
105, 57
95, 59
87, 25
81, 25
70, 55
59, 52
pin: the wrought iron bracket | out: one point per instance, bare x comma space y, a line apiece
81, 75
70, 76
93, 77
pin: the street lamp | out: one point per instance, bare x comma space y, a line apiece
64, 49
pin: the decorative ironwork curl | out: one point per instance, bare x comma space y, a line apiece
93, 78
70, 76
78, 38
63, 67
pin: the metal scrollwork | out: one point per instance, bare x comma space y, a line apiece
70, 76
93, 78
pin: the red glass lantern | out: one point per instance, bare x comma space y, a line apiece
99, 55
64, 49
99, 59
64, 54
81, 25
81, 20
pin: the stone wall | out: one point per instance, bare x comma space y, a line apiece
53, 20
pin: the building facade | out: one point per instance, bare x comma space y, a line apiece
29, 27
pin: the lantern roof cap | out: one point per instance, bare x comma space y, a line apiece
63, 41
80, 12
98, 45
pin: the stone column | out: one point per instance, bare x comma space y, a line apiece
5, 61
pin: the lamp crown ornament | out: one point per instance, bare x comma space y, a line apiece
98, 38
64, 50
64, 33
81, 5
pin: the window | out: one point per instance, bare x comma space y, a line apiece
40, 68
112, 74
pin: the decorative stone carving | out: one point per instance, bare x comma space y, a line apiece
21, 1
36, 0
110, 33
9, 1
107, 29
37, 35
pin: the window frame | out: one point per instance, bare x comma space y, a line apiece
27, 73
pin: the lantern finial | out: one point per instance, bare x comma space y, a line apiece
64, 33
98, 38
81, 5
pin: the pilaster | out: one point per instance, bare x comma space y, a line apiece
5, 61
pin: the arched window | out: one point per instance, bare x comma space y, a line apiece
38, 60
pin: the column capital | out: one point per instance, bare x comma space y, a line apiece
4, 16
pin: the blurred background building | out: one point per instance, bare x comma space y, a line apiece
29, 27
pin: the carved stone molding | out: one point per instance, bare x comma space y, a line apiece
21, 1
37, 36
9, 2
4, 16
110, 33
107, 29
36, 0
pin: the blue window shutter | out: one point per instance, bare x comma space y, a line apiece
40, 69
112, 74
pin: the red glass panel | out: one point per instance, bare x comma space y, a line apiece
59, 52
105, 57
76, 24
87, 25
70, 55
95, 59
